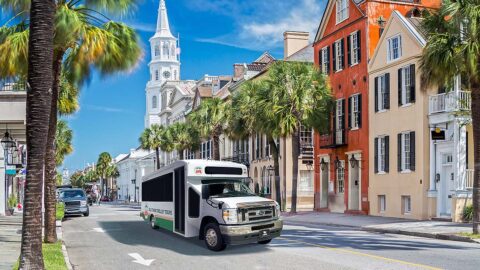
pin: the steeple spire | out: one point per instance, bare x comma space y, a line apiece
163, 27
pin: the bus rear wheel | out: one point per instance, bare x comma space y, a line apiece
213, 237
152, 223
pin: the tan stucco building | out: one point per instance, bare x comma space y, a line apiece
399, 129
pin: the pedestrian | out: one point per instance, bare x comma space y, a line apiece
96, 192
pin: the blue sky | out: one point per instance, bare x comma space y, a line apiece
214, 34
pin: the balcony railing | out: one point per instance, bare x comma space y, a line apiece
12, 85
306, 149
239, 158
469, 181
450, 102
336, 138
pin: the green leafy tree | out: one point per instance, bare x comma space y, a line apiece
152, 139
453, 49
63, 142
111, 173
77, 179
84, 38
184, 137
296, 94
210, 119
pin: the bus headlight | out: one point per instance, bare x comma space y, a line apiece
230, 216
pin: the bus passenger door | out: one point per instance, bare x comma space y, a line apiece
180, 200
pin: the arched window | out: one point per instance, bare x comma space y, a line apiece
166, 51
154, 102
157, 50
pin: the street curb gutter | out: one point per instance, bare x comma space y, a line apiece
449, 237
65, 256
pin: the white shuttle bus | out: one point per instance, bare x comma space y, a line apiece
209, 200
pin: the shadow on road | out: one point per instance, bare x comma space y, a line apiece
139, 233
333, 237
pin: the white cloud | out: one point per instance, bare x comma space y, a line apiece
259, 25
104, 109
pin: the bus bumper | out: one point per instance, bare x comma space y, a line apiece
251, 233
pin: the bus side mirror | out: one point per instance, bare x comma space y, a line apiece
205, 194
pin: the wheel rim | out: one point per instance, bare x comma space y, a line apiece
211, 237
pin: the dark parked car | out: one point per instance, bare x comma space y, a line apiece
75, 201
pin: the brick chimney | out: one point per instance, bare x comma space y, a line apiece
239, 71
293, 41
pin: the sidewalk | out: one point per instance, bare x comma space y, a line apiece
429, 229
10, 237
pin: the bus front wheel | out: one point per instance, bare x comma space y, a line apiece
213, 237
152, 223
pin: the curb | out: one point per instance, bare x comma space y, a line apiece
65, 257
449, 237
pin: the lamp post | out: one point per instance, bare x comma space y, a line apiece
323, 165
134, 182
353, 161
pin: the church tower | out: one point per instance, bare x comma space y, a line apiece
164, 65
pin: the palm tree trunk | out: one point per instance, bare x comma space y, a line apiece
295, 153
476, 155
216, 145
50, 162
276, 166
157, 156
38, 113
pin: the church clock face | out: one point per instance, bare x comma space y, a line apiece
166, 74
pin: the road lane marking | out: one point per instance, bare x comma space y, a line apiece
140, 260
363, 254
98, 230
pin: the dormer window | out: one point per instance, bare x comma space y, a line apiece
342, 10
394, 49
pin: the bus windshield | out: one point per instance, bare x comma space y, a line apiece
228, 188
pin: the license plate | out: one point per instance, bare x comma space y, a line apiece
264, 233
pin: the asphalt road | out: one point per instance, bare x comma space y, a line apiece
105, 239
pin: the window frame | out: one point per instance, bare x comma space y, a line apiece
391, 48
406, 86
382, 154
355, 112
339, 55
354, 51
342, 10
382, 203
154, 102
340, 171
324, 52
406, 204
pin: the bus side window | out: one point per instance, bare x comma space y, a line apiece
193, 203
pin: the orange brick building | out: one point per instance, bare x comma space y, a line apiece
346, 38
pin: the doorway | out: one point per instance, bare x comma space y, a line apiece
447, 179
180, 200
354, 187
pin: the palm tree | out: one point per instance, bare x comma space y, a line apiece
103, 163
63, 142
38, 107
84, 37
184, 137
111, 173
151, 139
452, 50
296, 94
77, 179
210, 120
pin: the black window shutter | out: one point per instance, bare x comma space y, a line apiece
375, 165
412, 83
399, 152
349, 50
328, 60
342, 48
343, 110
320, 60
376, 94
359, 46
350, 100
412, 151
334, 56
400, 87
360, 111
387, 91
334, 124
387, 154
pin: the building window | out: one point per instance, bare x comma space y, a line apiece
342, 10
306, 136
154, 102
190, 154
175, 75
305, 186
206, 150
266, 181
406, 205
338, 54
382, 154
157, 50
382, 203
340, 121
394, 49
382, 92
166, 51
406, 85
354, 48
355, 111
341, 177
406, 150
325, 60
157, 76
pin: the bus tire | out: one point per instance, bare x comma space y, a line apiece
213, 237
152, 223
264, 242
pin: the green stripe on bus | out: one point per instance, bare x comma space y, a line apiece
164, 223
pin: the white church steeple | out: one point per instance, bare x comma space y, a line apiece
164, 66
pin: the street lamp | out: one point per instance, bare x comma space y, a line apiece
337, 163
323, 164
7, 141
353, 161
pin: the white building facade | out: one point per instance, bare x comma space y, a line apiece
132, 168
